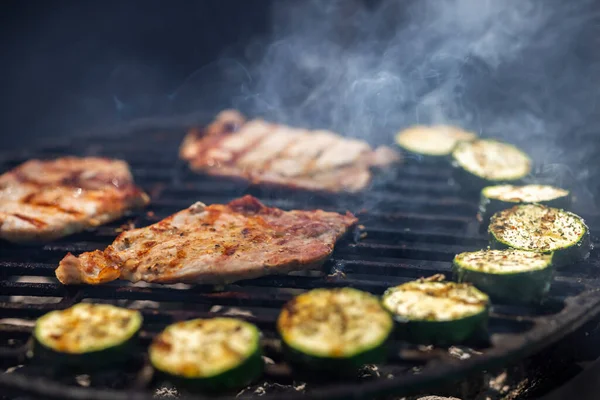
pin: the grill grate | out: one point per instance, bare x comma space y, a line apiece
415, 222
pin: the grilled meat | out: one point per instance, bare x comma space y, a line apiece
213, 244
267, 153
45, 200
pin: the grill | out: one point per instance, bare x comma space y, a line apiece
415, 221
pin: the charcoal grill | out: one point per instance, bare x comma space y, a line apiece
415, 221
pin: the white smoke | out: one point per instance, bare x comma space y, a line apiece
362, 70
512, 69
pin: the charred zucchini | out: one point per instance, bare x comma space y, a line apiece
500, 197
437, 312
535, 227
86, 335
432, 142
485, 162
215, 354
334, 330
510, 276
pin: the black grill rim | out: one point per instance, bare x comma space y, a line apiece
578, 310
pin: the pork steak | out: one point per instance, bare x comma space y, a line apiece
45, 200
266, 153
213, 244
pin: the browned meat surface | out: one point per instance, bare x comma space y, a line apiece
213, 244
262, 152
44, 200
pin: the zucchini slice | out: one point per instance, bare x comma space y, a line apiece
500, 197
87, 335
437, 312
334, 330
433, 142
215, 354
535, 227
485, 162
509, 276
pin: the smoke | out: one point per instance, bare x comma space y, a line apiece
507, 69
518, 70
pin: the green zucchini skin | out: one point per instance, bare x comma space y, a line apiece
424, 159
526, 287
472, 183
247, 370
440, 332
92, 361
346, 362
245, 374
443, 333
572, 254
118, 352
488, 207
342, 367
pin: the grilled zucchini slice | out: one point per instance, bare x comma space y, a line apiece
334, 330
437, 312
500, 197
509, 276
535, 227
432, 142
215, 354
87, 335
486, 162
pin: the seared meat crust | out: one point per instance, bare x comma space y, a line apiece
266, 153
213, 244
45, 200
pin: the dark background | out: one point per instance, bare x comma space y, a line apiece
69, 66
64, 61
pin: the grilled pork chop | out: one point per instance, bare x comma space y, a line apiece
262, 152
213, 244
45, 200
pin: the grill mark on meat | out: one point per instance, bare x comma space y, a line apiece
217, 133
56, 207
267, 164
33, 221
30, 199
272, 145
236, 156
310, 168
